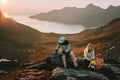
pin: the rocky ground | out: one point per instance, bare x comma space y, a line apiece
45, 71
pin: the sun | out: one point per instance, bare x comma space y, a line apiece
5, 14
3, 1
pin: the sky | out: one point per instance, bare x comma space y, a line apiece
37, 6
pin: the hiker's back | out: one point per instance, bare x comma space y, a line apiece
99, 64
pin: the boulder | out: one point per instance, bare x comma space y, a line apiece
3, 72
72, 74
8, 65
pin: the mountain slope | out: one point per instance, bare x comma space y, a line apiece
15, 38
90, 16
107, 37
105, 40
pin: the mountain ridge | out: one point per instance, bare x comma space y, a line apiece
15, 39
90, 16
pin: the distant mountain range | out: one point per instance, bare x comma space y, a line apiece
90, 16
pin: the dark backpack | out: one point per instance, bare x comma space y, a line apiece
55, 59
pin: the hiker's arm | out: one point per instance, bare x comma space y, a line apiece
93, 54
85, 54
58, 46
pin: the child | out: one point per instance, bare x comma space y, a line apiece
99, 61
92, 65
96, 64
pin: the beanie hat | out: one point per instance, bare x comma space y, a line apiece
99, 55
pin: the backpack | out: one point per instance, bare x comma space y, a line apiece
55, 60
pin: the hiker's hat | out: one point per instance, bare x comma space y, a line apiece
99, 55
61, 39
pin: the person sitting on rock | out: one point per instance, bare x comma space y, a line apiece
92, 65
99, 61
63, 48
89, 54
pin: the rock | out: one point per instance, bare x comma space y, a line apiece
32, 79
67, 74
111, 60
3, 72
116, 71
118, 60
3, 75
33, 74
48, 70
22, 79
45, 66
30, 65
110, 71
8, 65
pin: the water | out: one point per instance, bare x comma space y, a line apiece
48, 27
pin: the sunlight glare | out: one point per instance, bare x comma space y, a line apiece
3, 1
5, 14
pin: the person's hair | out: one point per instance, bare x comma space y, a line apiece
88, 47
89, 44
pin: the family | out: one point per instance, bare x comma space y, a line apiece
91, 60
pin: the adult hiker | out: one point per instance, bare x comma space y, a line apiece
63, 48
89, 54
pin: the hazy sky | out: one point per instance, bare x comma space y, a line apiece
29, 6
